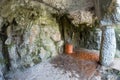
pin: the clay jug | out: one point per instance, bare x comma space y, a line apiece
68, 48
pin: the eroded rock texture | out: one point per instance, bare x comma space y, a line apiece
29, 32
2, 61
108, 47
79, 11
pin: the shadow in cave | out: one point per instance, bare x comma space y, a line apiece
5, 52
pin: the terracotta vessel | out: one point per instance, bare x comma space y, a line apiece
68, 48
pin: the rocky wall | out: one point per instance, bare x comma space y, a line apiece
29, 32
117, 30
79, 11
33, 31
82, 36
2, 62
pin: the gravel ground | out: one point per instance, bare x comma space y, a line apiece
64, 67
42, 71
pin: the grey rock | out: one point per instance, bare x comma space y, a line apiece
96, 78
108, 46
44, 54
59, 46
90, 39
111, 77
13, 56
30, 38
2, 64
76, 8
1, 22
118, 78
0, 48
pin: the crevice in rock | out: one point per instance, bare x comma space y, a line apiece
66, 28
3, 35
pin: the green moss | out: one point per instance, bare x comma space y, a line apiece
36, 60
25, 17
10, 45
26, 65
24, 14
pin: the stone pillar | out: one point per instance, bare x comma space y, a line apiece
108, 46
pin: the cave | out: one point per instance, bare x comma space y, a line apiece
72, 40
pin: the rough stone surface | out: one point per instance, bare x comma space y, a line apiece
43, 71
108, 47
48, 72
81, 17
32, 32
70, 4
1, 48
117, 30
117, 33
80, 11
2, 61
89, 38
92, 40
64, 67
1, 21
108, 73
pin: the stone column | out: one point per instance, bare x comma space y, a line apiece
108, 46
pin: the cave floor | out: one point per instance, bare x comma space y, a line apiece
63, 67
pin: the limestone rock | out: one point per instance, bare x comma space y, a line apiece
96, 78
70, 4
81, 17
91, 40
59, 46
80, 11
108, 46
44, 54
32, 32
2, 62
117, 31
1, 48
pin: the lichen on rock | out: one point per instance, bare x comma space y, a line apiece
31, 27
